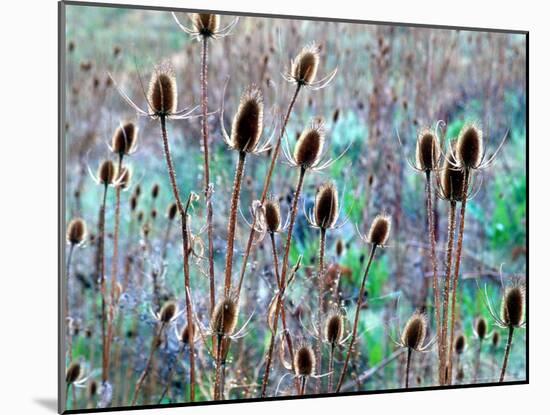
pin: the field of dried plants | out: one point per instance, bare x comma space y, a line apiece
262, 207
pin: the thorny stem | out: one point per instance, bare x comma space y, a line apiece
207, 191
448, 265
303, 383
219, 340
233, 221
185, 239
320, 283
356, 320
104, 374
457, 265
507, 353
267, 182
409, 353
435, 282
68, 314
143, 376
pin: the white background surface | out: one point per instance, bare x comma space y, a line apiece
28, 207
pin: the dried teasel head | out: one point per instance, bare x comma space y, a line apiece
124, 178
326, 206
248, 121
513, 306
162, 95
172, 211
76, 231
92, 389
168, 312
107, 172
379, 231
460, 344
304, 66
304, 361
495, 339
74, 373
469, 147
310, 144
225, 316
124, 139
187, 334
206, 24
481, 328
427, 151
340, 247
414, 334
334, 327
272, 210
451, 181
155, 190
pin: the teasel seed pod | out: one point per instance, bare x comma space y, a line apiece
460, 344
92, 389
512, 306
451, 182
76, 231
469, 147
495, 339
124, 139
427, 151
172, 211
107, 172
305, 65
155, 191
334, 328
124, 178
480, 328
206, 24
162, 96
414, 333
248, 121
225, 316
340, 247
133, 203
309, 146
186, 336
74, 373
168, 311
379, 231
272, 210
326, 206
304, 361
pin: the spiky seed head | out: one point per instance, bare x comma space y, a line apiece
76, 231
124, 178
188, 333
309, 146
172, 211
206, 24
326, 206
427, 151
469, 146
153, 213
451, 181
137, 191
415, 331
272, 215
133, 203
340, 247
162, 96
92, 389
495, 339
168, 311
225, 316
512, 306
124, 139
480, 327
334, 328
460, 344
74, 372
140, 216
304, 66
155, 191
107, 172
248, 121
379, 231
304, 361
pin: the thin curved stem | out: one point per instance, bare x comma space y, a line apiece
103, 288
67, 310
356, 320
185, 248
267, 182
506, 353
233, 221
457, 267
478, 361
320, 284
330, 367
408, 367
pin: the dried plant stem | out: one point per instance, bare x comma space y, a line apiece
185, 248
356, 320
154, 345
331, 367
435, 282
102, 284
207, 190
506, 353
303, 384
458, 256
408, 367
217, 380
320, 284
448, 265
267, 182
478, 360
67, 310
233, 221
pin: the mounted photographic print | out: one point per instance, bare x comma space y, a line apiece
272, 207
